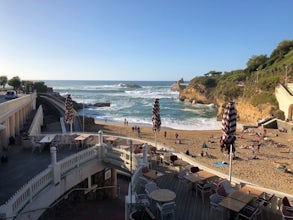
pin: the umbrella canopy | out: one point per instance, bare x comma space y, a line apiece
156, 118
69, 111
229, 127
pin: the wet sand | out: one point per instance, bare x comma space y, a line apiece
275, 152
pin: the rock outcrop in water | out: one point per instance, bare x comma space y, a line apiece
132, 86
178, 86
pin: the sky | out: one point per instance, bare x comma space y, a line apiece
137, 39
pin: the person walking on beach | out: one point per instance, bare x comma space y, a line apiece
176, 136
165, 134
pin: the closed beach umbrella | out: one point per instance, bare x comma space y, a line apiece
69, 111
229, 129
156, 119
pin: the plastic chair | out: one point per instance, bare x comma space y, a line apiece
215, 199
265, 202
287, 209
227, 186
142, 199
167, 209
150, 187
249, 212
203, 189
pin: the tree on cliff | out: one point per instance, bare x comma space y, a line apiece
255, 62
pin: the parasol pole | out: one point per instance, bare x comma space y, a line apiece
230, 166
156, 139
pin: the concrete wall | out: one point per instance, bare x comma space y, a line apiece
13, 114
285, 101
35, 127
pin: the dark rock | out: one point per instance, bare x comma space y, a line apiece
133, 86
102, 104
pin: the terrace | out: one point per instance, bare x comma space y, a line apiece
166, 174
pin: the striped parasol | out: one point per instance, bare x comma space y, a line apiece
156, 119
69, 111
228, 126
229, 130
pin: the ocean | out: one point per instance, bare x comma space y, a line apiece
135, 104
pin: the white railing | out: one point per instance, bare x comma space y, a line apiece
45, 179
26, 194
77, 159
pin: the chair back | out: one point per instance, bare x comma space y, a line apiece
150, 187
227, 186
168, 207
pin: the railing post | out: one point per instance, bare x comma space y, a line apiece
55, 166
101, 145
145, 153
100, 133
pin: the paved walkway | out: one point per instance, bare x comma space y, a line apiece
22, 166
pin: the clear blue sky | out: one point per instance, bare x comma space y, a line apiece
137, 39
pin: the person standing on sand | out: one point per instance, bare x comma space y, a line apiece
165, 134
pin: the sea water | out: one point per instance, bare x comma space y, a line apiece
135, 104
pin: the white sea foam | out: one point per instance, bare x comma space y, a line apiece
136, 104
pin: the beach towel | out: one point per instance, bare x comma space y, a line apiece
220, 164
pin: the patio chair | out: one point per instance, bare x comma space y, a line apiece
249, 212
181, 178
203, 188
150, 187
142, 199
287, 209
166, 209
215, 199
265, 202
142, 181
36, 145
227, 186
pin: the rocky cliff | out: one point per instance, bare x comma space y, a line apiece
246, 112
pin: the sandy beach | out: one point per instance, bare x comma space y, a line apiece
274, 154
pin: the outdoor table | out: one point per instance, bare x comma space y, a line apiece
153, 174
48, 138
162, 195
251, 190
232, 204
199, 176
241, 196
82, 137
180, 163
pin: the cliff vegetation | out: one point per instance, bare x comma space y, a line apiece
251, 88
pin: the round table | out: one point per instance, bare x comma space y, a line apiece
163, 195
